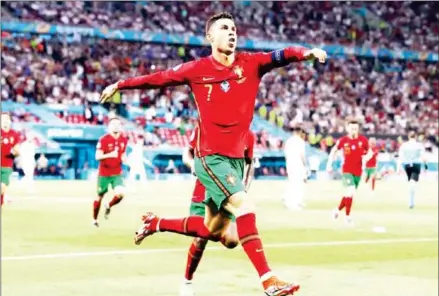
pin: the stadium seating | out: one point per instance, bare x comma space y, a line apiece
314, 22
388, 95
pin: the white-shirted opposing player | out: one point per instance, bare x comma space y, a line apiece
411, 157
137, 161
27, 160
297, 170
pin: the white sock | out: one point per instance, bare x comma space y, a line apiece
267, 276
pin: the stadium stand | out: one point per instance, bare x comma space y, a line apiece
389, 95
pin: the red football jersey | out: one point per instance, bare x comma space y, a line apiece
372, 162
9, 139
353, 152
225, 95
193, 138
248, 153
111, 166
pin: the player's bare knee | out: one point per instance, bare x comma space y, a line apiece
350, 191
239, 204
3, 188
119, 191
230, 243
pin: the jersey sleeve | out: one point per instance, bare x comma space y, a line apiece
339, 143
268, 61
100, 144
249, 152
179, 75
366, 144
193, 138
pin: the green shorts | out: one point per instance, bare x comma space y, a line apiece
6, 175
351, 180
370, 171
104, 183
197, 209
222, 176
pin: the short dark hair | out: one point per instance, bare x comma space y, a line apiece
412, 134
218, 16
298, 129
353, 121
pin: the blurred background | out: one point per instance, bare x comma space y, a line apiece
58, 56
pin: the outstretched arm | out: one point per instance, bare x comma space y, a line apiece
171, 77
283, 57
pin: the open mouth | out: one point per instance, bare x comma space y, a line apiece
232, 40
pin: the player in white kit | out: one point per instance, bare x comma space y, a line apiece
297, 170
411, 156
135, 161
27, 160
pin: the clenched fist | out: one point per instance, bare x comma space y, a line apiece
316, 53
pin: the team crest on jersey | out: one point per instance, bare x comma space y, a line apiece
231, 180
225, 86
353, 147
238, 71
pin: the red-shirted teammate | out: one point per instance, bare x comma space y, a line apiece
355, 149
9, 149
225, 86
371, 164
110, 152
197, 208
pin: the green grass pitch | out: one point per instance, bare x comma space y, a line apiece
50, 248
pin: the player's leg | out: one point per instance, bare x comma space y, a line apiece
28, 170
350, 192
239, 205
222, 177
248, 235
119, 193
3, 191
350, 183
195, 226
367, 175
102, 188
230, 238
413, 182
5, 174
299, 192
373, 175
289, 192
221, 225
142, 174
195, 253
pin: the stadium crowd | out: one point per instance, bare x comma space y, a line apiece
397, 25
389, 96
